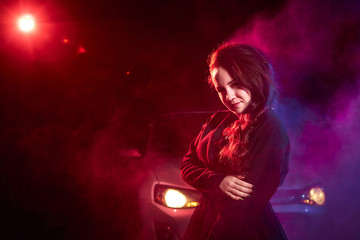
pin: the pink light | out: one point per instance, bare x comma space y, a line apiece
81, 50
26, 23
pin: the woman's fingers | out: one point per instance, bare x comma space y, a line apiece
241, 188
238, 193
235, 197
242, 183
235, 188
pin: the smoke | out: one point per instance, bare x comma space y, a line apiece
315, 48
72, 182
314, 39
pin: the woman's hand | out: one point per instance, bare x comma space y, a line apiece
235, 188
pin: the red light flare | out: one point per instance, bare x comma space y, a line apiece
81, 50
26, 23
35, 30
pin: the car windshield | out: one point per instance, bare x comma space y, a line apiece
174, 132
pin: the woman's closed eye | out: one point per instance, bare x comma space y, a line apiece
235, 85
220, 90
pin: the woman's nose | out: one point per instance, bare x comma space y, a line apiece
230, 95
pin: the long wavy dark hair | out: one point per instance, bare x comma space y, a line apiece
252, 71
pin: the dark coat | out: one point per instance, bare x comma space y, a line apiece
217, 215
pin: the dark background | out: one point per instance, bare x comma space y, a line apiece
65, 113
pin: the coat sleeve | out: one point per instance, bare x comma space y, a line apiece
195, 172
270, 151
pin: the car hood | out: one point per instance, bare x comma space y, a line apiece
167, 172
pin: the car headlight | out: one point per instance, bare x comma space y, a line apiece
174, 197
314, 196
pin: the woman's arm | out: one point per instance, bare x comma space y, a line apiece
195, 173
193, 170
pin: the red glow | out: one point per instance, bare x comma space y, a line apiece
81, 50
128, 73
26, 23
65, 40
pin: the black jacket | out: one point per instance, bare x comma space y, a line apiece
218, 216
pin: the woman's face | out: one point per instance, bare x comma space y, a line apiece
235, 98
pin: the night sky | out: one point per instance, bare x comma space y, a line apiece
68, 107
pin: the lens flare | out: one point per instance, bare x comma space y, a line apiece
26, 23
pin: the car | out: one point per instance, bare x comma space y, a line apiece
166, 202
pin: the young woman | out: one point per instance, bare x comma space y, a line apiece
240, 156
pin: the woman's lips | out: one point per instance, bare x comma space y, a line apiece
234, 105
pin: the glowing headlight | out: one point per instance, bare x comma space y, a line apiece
176, 197
315, 196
